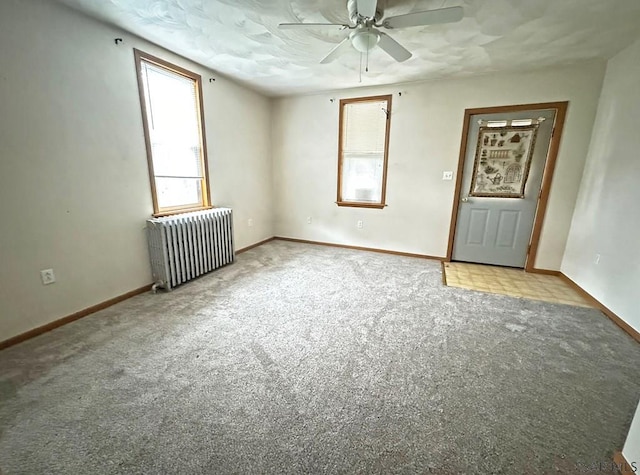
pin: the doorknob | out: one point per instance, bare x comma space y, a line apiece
465, 199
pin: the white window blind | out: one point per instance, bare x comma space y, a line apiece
364, 125
175, 136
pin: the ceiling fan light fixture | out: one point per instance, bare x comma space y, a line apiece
365, 40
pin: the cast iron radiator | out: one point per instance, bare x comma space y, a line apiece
185, 246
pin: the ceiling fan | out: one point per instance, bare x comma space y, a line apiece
366, 20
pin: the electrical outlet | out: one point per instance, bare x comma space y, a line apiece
597, 259
359, 224
309, 220
447, 175
47, 276
250, 222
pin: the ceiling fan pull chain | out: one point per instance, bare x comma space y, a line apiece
367, 68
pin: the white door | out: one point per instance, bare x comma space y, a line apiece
501, 182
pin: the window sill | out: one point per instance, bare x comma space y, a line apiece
172, 212
358, 204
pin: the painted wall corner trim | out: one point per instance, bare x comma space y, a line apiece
360, 248
71, 318
597, 304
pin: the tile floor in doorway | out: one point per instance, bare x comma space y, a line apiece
512, 282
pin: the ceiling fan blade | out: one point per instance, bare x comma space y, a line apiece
287, 26
367, 8
430, 17
337, 51
393, 48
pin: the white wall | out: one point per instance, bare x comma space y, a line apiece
74, 186
606, 220
426, 128
607, 215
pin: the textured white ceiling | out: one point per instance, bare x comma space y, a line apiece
240, 38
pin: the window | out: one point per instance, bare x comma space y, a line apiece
171, 99
363, 146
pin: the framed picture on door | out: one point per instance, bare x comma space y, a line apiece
502, 161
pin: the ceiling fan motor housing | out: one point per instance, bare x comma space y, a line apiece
356, 18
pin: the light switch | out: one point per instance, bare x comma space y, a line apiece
447, 175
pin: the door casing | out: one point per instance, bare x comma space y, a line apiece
547, 175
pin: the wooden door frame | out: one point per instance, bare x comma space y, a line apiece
547, 174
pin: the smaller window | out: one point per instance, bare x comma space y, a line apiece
363, 146
171, 99
521, 122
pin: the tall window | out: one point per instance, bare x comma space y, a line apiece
362, 151
171, 99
